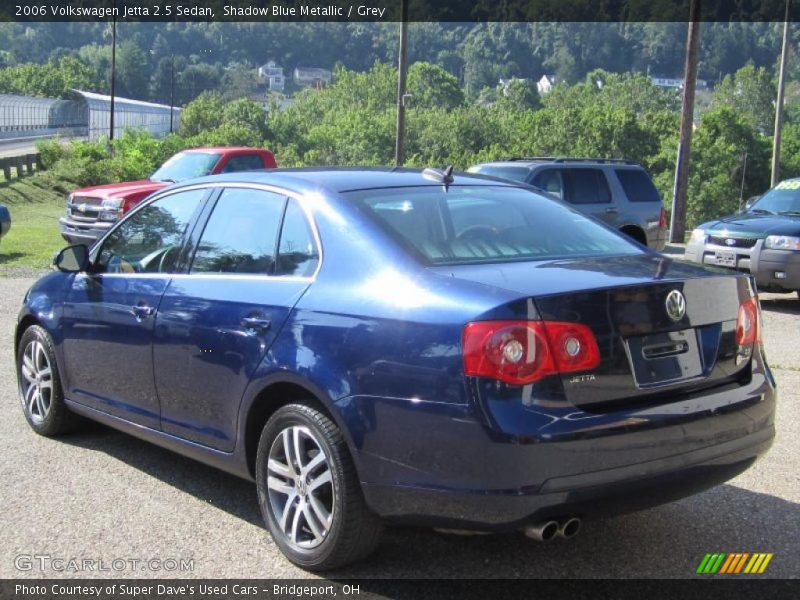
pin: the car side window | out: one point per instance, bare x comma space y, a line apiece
243, 162
241, 234
297, 252
551, 181
586, 186
637, 185
149, 240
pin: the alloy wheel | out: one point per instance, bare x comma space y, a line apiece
36, 382
300, 486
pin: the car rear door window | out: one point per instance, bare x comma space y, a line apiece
243, 162
637, 185
297, 251
149, 240
586, 186
241, 234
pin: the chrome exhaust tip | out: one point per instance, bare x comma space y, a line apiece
569, 528
542, 532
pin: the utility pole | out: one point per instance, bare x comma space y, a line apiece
776, 138
171, 91
677, 228
400, 147
113, 75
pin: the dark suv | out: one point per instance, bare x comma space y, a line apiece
616, 191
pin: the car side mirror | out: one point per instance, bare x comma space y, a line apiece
750, 201
72, 259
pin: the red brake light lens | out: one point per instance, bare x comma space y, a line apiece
748, 322
521, 352
662, 219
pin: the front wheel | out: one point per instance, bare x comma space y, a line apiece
309, 493
40, 384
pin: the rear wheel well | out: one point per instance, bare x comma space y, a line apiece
269, 400
636, 233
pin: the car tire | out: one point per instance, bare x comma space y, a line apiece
313, 505
40, 385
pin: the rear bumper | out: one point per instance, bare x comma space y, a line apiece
599, 493
657, 239
625, 462
77, 232
774, 270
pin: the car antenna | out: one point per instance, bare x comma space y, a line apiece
445, 177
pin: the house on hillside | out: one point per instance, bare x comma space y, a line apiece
545, 84
668, 82
271, 75
312, 77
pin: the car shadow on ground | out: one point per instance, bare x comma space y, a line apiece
9, 256
787, 305
667, 541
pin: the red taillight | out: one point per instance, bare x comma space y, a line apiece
662, 219
521, 352
748, 322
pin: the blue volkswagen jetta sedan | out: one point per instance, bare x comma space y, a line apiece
400, 346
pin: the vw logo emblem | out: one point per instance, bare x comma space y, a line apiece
675, 305
730, 242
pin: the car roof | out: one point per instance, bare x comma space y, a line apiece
225, 149
343, 179
560, 160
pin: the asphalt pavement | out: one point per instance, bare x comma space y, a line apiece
106, 497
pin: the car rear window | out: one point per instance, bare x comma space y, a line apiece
470, 224
637, 185
575, 185
513, 173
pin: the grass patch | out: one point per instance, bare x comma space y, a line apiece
35, 204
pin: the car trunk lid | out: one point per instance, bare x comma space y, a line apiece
646, 354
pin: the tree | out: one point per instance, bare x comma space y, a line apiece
131, 77
718, 150
751, 93
520, 94
248, 114
431, 86
202, 114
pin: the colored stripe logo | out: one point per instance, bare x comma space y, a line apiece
734, 563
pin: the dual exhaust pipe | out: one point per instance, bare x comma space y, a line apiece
547, 530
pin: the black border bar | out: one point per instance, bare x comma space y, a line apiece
389, 10
716, 588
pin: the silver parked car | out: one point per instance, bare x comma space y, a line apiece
616, 191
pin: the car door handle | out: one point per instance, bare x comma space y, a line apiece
256, 323
142, 311
612, 209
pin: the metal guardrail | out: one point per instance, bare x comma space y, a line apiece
23, 164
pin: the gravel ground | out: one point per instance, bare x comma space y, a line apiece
104, 495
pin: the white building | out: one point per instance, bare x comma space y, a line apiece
271, 75
675, 83
312, 76
545, 84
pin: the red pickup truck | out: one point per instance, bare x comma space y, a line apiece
91, 211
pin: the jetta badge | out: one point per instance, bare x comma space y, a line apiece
675, 305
